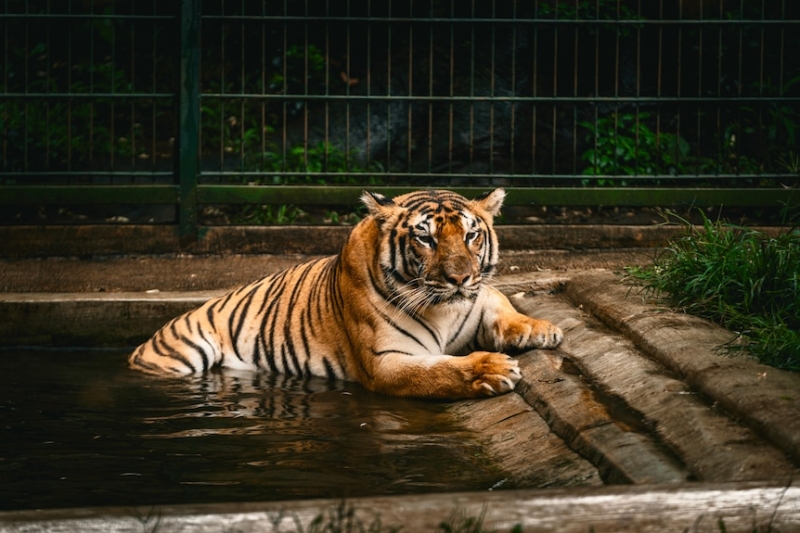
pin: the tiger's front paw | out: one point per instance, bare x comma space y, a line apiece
547, 335
493, 373
525, 333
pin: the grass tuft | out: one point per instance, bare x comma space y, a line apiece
739, 278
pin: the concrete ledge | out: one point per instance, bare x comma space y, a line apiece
90, 319
744, 507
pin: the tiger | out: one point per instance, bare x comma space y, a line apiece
405, 309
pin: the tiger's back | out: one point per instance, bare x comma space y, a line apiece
283, 323
404, 309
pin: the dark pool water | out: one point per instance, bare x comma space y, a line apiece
78, 428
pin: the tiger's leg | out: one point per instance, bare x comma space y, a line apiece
478, 374
505, 329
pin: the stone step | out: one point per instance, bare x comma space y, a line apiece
711, 445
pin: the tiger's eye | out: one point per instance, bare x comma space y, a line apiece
427, 240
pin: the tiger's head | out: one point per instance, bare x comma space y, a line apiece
436, 246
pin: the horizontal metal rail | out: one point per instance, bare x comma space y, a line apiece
505, 20
349, 195
373, 97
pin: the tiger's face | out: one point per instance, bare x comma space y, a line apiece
436, 246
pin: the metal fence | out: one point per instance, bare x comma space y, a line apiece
226, 110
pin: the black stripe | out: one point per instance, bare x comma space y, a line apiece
461, 326
384, 352
329, 371
392, 249
292, 306
241, 307
169, 352
401, 330
269, 323
189, 342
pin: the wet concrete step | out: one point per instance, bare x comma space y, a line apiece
761, 397
521, 445
663, 411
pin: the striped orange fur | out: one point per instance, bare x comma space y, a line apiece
404, 309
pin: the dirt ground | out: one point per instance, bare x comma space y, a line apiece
211, 272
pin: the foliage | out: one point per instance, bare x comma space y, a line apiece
269, 214
301, 163
319, 165
460, 522
740, 278
344, 519
65, 130
302, 65
587, 10
623, 144
764, 132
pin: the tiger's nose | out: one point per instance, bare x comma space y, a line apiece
457, 279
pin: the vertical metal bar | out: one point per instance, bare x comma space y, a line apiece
189, 118
242, 83
762, 48
368, 155
305, 89
306, 146
26, 85
347, 85
534, 84
410, 90
429, 146
285, 92
222, 133
6, 46
91, 86
782, 50
451, 89
48, 128
700, 53
132, 127
69, 88
327, 104
389, 81
513, 133
471, 162
718, 126
596, 113
734, 138
492, 74
554, 115
111, 127
154, 102
263, 129
575, 77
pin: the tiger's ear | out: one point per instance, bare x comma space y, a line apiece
491, 202
379, 205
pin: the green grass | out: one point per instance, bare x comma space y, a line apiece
739, 278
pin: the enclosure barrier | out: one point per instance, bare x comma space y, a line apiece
209, 107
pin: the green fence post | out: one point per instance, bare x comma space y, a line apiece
189, 120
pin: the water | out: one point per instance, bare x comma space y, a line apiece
78, 428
